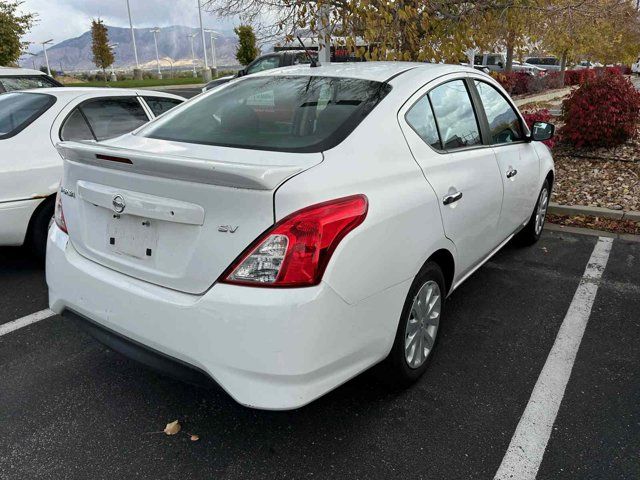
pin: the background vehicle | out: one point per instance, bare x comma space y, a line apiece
547, 63
496, 62
32, 122
266, 62
635, 68
24, 78
284, 233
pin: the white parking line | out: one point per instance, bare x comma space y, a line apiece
24, 321
530, 439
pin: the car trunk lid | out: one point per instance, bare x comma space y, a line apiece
169, 219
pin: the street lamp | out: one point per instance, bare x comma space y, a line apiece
207, 72
33, 61
133, 38
113, 46
214, 60
191, 36
46, 58
155, 32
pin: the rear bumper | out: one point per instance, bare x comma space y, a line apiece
14, 220
268, 348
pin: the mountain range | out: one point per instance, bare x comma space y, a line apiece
174, 46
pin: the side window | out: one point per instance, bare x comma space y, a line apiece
159, 105
504, 123
111, 117
420, 118
75, 127
455, 116
265, 63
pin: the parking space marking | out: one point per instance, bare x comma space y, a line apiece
530, 439
24, 321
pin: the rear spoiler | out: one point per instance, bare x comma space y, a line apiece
238, 175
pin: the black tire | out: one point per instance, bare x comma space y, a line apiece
395, 370
529, 235
39, 228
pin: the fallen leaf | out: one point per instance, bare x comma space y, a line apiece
194, 438
172, 428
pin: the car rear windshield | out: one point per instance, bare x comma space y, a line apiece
18, 110
9, 84
290, 114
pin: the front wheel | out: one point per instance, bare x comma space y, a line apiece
531, 233
418, 328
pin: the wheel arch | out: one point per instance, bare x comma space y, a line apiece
445, 260
46, 201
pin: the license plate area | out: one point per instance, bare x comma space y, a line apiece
132, 236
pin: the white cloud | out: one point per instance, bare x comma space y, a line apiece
63, 19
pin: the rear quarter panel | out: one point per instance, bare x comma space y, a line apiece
403, 225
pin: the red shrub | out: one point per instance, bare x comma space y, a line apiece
516, 83
578, 77
625, 69
603, 111
552, 80
542, 115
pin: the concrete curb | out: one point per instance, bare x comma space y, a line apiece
569, 210
587, 231
543, 97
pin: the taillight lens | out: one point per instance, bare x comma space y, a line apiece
295, 251
58, 215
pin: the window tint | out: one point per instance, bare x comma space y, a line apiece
420, 118
159, 105
111, 117
504, 123
454, 113
18, 110
23, 83
266, 63
294, 114
75, 128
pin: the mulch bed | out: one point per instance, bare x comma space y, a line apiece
596, 223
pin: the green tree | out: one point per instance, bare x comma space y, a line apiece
13, 26
247, 51
102, 54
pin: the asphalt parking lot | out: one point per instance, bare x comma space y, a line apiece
70, 408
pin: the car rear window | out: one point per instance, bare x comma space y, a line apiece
18, 110
282, 113
9, 84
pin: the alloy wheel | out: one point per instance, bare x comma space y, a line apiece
422, 326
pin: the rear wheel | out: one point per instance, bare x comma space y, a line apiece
417, 332
531, 233
39, 228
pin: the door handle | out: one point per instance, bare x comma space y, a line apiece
454, 197
512, 172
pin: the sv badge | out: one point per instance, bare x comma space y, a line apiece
227, 228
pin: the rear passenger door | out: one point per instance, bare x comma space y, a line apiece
445, 138
517, 160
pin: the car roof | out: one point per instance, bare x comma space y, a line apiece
71, 92
375, 71
11, 71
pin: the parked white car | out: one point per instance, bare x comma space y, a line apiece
32, 122
635, 68
288, 230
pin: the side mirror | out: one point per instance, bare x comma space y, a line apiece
242, 72
541, 131
501, 65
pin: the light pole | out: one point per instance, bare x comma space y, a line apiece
214, 60
113, 46
46, 58
133, 39
193, 53
155, 32
207, 73
33, 60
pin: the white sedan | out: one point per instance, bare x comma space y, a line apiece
32, 122
289, 230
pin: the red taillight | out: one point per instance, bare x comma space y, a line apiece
295, 251
58, 215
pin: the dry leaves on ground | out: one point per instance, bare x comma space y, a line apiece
597, 183
172, 428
